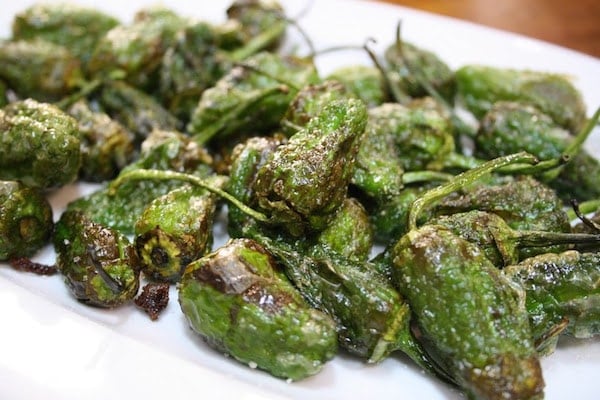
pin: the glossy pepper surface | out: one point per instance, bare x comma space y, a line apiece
562, 295
25, 220
99, 264
238, 300
39, 144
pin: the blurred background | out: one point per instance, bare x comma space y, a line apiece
574, 24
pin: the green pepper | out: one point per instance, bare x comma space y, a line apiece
76, 27
252, 97
39, 69
136, 50
238, 300
562, 295
261, 23
509, 127
472, 318
479, 87
39, 144
25, 220
415, 69
165, 150
106, 146
363, 82
305, 180
136, 110
99, 264
505, 246
174, 230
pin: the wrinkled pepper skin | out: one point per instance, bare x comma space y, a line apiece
431, 67
523, 202
106, 145
164, 150
363, 82
76, 27
25, 220
249, 98
247, 158
136, 49
174, 230
39, 144
371, 317
259, 18
509, 127
472, 320
99, 264
349, 233
139, 112
479, 87
39, 69
504, 246
240, 303
305, 180
560, 286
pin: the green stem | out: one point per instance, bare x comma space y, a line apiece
542, 238
259, 42
584, 208
425, 176
153, 174
462, 180
207, 133
86, 90
575, 146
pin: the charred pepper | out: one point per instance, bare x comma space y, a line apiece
25, 220
239, 301
99, 264
39, 144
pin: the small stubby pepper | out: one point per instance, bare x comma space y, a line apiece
510, 126
472, 318
25, 220
239, 301
135, 109
252, 97
562, 295
479, 87
39, 69
164, 150
106, 145
99, 264
136, 49
174, 230
39, 144
407, 60
76, 27
363, 82
305, 180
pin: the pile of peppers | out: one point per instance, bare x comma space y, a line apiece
360, 221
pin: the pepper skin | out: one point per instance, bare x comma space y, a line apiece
563, 295
174, 230
106, 146
76, 27
240, 303
39, 144
99, 264
473, 321
305, 180
25, 220
39, 69
249, 98
479, 87
363, 82
164, 150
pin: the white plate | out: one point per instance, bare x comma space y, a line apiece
52, 347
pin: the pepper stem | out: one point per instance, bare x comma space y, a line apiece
464, 179
154, 174
575, 146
